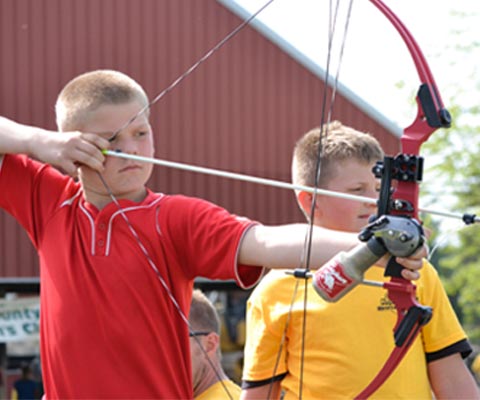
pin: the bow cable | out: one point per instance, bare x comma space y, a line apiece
192, 68
164, 284
306, 255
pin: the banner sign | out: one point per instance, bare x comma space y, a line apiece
19, 319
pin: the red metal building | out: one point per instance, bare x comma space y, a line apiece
241, 110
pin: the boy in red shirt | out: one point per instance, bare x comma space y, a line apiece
117, 260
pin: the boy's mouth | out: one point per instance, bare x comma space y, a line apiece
130, 167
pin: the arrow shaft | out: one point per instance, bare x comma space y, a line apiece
265, 181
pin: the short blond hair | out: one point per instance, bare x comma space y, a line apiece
203, 315
339, 143
87, 92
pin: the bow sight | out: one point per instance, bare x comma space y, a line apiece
402, 168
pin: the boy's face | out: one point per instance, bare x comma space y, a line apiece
352, 177
125, 178
200, 363
197, 358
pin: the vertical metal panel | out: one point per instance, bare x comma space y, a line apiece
242, 110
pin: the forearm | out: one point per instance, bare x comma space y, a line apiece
16, 138
65, 150
284, 246
451, 379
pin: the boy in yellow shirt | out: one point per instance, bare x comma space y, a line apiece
347, 342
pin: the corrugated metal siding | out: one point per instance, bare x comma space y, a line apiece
242, 110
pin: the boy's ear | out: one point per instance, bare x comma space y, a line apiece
305, 201
212, 342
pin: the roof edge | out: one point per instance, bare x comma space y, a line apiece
313, 67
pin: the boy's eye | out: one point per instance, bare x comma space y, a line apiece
110, 136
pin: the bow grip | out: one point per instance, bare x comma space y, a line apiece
393, 269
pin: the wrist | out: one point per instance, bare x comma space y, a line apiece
37, 139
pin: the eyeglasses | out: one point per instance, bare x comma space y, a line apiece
199, 333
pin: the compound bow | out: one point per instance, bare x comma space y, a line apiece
406, 169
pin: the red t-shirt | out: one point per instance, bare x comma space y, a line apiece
108, 327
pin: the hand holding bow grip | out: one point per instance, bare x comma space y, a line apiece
400, 236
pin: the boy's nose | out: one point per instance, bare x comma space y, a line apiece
128, 146
372, 194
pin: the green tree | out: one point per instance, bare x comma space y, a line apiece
456, 167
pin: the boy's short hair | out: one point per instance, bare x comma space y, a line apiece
87, 92
203, 315
339, 143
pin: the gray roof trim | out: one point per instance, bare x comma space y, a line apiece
313, 67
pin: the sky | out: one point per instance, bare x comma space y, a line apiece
376, 64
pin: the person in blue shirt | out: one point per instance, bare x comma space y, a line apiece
25, 388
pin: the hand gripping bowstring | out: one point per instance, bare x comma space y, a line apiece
144, 250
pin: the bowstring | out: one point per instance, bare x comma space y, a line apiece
306, 254
325, 121
324, 126
192, 68
443, 237
151, 263
164, 284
